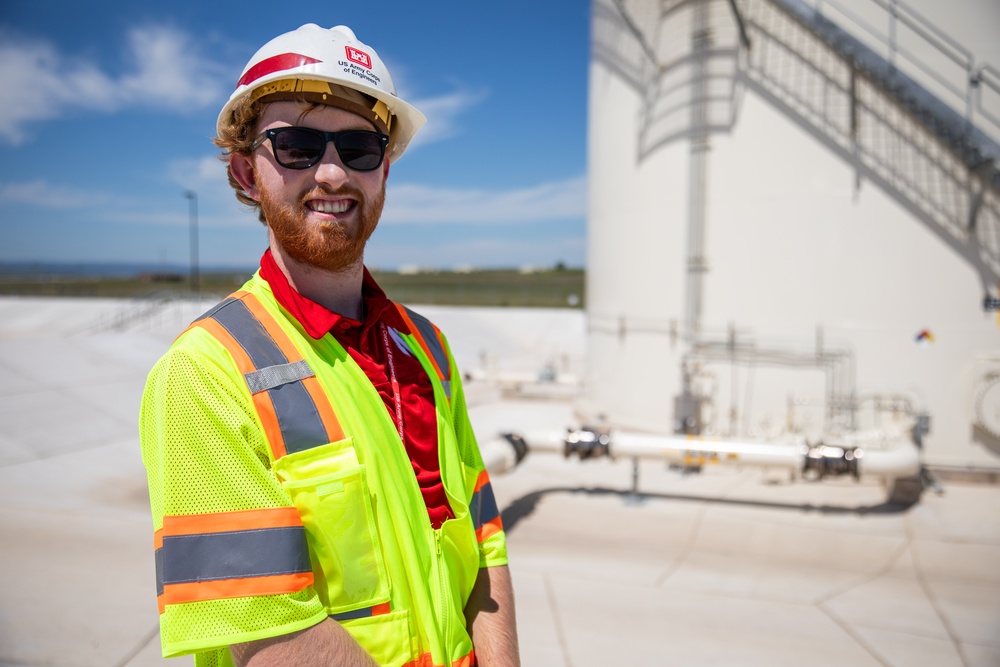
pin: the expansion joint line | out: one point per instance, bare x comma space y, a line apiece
929, 594
557, 621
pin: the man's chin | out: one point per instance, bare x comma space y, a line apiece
331, 260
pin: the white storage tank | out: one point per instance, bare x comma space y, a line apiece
774, 250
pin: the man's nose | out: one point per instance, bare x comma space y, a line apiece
330, 169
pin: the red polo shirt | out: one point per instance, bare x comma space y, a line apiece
364, 342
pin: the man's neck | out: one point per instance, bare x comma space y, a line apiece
337, 291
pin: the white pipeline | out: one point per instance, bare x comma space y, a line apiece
695, 451
894, 457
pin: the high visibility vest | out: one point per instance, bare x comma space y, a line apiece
357, 531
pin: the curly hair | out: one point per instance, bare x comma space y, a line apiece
236, 135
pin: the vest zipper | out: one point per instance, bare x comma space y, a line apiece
442, 597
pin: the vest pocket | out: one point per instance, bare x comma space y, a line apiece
389, 637
330, 490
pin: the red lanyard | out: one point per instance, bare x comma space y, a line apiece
392, 378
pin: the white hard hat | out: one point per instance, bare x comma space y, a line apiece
327, 65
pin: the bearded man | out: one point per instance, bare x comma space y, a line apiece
318, 497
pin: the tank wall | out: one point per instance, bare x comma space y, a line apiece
799, 257
633, 213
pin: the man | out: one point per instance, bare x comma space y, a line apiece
318, 497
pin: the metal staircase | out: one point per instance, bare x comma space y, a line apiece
895, 132
911, 123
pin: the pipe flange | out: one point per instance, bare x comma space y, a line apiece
987, 405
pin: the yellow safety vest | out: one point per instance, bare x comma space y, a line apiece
349, 536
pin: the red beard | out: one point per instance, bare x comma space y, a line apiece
329, 246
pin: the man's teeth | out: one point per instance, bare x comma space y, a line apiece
323, 206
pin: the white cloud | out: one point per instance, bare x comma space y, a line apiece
442, 114
46, 195
40, 83
170, 71
406, 203
208, 172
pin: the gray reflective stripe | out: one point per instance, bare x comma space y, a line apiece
483, 507
298, 418
232, 555
214, 309
158, 561
429, 334
364, 612
275, 376
237, 319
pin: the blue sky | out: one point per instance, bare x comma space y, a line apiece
109, 108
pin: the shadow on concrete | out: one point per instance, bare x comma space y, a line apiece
525, 506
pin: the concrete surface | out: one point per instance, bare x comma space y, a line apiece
729, 567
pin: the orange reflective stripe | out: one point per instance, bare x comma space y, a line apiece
199, 546
242, 359
233, 588
262, 401
221, 522
481, 481
467, 660
269, 422
489, 529
334, 431
415, 332
364, 612
278, 334
486, 517
253, 336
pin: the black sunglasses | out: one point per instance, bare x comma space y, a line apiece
302, 147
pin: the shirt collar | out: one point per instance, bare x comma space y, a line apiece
318, 320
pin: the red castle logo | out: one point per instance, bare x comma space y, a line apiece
358, 57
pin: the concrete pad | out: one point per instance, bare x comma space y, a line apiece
736, 576
76, 590
78, 565
763, 539
900, 648
893, 603
981, 656
638, 626
849, 568
963, 513
540, 639
958, 562
730, 566
971, 610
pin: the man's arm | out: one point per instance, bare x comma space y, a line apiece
326, 643
489, 616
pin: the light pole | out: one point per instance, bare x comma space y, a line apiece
193, 214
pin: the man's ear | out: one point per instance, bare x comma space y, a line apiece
241, 167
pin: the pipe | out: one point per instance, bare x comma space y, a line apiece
901, 461
697, 451
832, 457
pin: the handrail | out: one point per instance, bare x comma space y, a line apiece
962, 85
989, 77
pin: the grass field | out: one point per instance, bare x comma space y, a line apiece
554, 288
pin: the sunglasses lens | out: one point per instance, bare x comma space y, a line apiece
302, 147
297, 148
361, 151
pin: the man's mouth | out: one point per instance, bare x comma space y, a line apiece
334, 207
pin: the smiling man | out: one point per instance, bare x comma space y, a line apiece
317, 493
